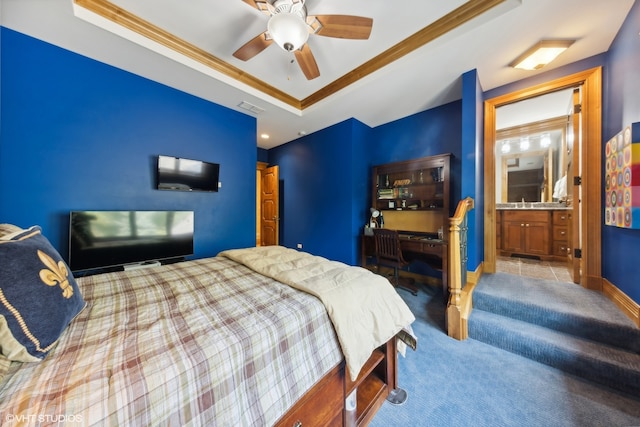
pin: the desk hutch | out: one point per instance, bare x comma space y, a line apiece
414, 198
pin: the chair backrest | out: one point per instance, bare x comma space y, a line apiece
388, 246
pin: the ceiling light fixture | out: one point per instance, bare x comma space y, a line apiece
541, 54
288, 26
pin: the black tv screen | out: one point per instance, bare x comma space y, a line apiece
100, 239
174, 173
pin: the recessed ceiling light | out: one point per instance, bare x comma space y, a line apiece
264, 135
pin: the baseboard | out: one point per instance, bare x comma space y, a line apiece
474, 276
628, 306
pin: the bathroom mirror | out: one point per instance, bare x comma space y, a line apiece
531, 148
528, 166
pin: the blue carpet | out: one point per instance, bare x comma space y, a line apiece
470, 383
564, 307
560, 324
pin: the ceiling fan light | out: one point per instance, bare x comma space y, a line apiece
288, 30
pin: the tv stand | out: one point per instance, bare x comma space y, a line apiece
141, 265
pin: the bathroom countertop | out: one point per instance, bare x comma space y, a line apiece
532, 206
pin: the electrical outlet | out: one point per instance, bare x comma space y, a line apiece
299, 245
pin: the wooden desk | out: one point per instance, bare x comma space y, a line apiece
415, 247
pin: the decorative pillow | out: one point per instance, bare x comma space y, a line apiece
38, 296
7, 229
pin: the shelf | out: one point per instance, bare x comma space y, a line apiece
374, 360
371, 395
429, 201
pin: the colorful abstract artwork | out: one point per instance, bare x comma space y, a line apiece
622, 179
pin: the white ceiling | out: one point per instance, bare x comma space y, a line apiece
424, 78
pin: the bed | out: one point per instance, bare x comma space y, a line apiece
221, 341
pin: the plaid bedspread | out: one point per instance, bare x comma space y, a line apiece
205, 342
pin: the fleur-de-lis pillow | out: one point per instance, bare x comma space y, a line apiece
38, 296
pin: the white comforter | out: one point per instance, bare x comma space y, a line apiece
365, 309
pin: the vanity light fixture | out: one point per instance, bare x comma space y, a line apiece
545, 140
505, 148
541, 54
524, 144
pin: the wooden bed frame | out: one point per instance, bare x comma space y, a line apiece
324, 404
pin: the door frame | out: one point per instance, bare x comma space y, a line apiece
591, 203
261, 170
260, 167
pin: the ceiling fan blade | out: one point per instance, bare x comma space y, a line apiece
261, 5
253, 47
307, 62
342, 26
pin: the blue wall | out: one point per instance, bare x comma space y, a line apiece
320, 178
472, 164
263, 155
326, 176
621, 108
428, 133
79, 134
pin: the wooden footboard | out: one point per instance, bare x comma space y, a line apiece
324, 404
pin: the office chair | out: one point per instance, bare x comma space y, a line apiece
389, 253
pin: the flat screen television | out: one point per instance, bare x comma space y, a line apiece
100, 239
174, 173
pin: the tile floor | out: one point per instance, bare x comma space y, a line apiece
548, 270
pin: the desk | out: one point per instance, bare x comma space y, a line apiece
415, 247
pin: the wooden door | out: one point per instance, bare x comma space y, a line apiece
269, 201
574, 190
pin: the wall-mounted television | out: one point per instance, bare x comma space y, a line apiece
101, 239
174, 173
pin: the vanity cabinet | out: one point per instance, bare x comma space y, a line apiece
526, 232
543, 233
560, 233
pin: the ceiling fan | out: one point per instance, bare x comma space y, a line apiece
289, 26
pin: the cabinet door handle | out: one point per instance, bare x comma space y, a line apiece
521, 225
562, 233
527, 225
297, 424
